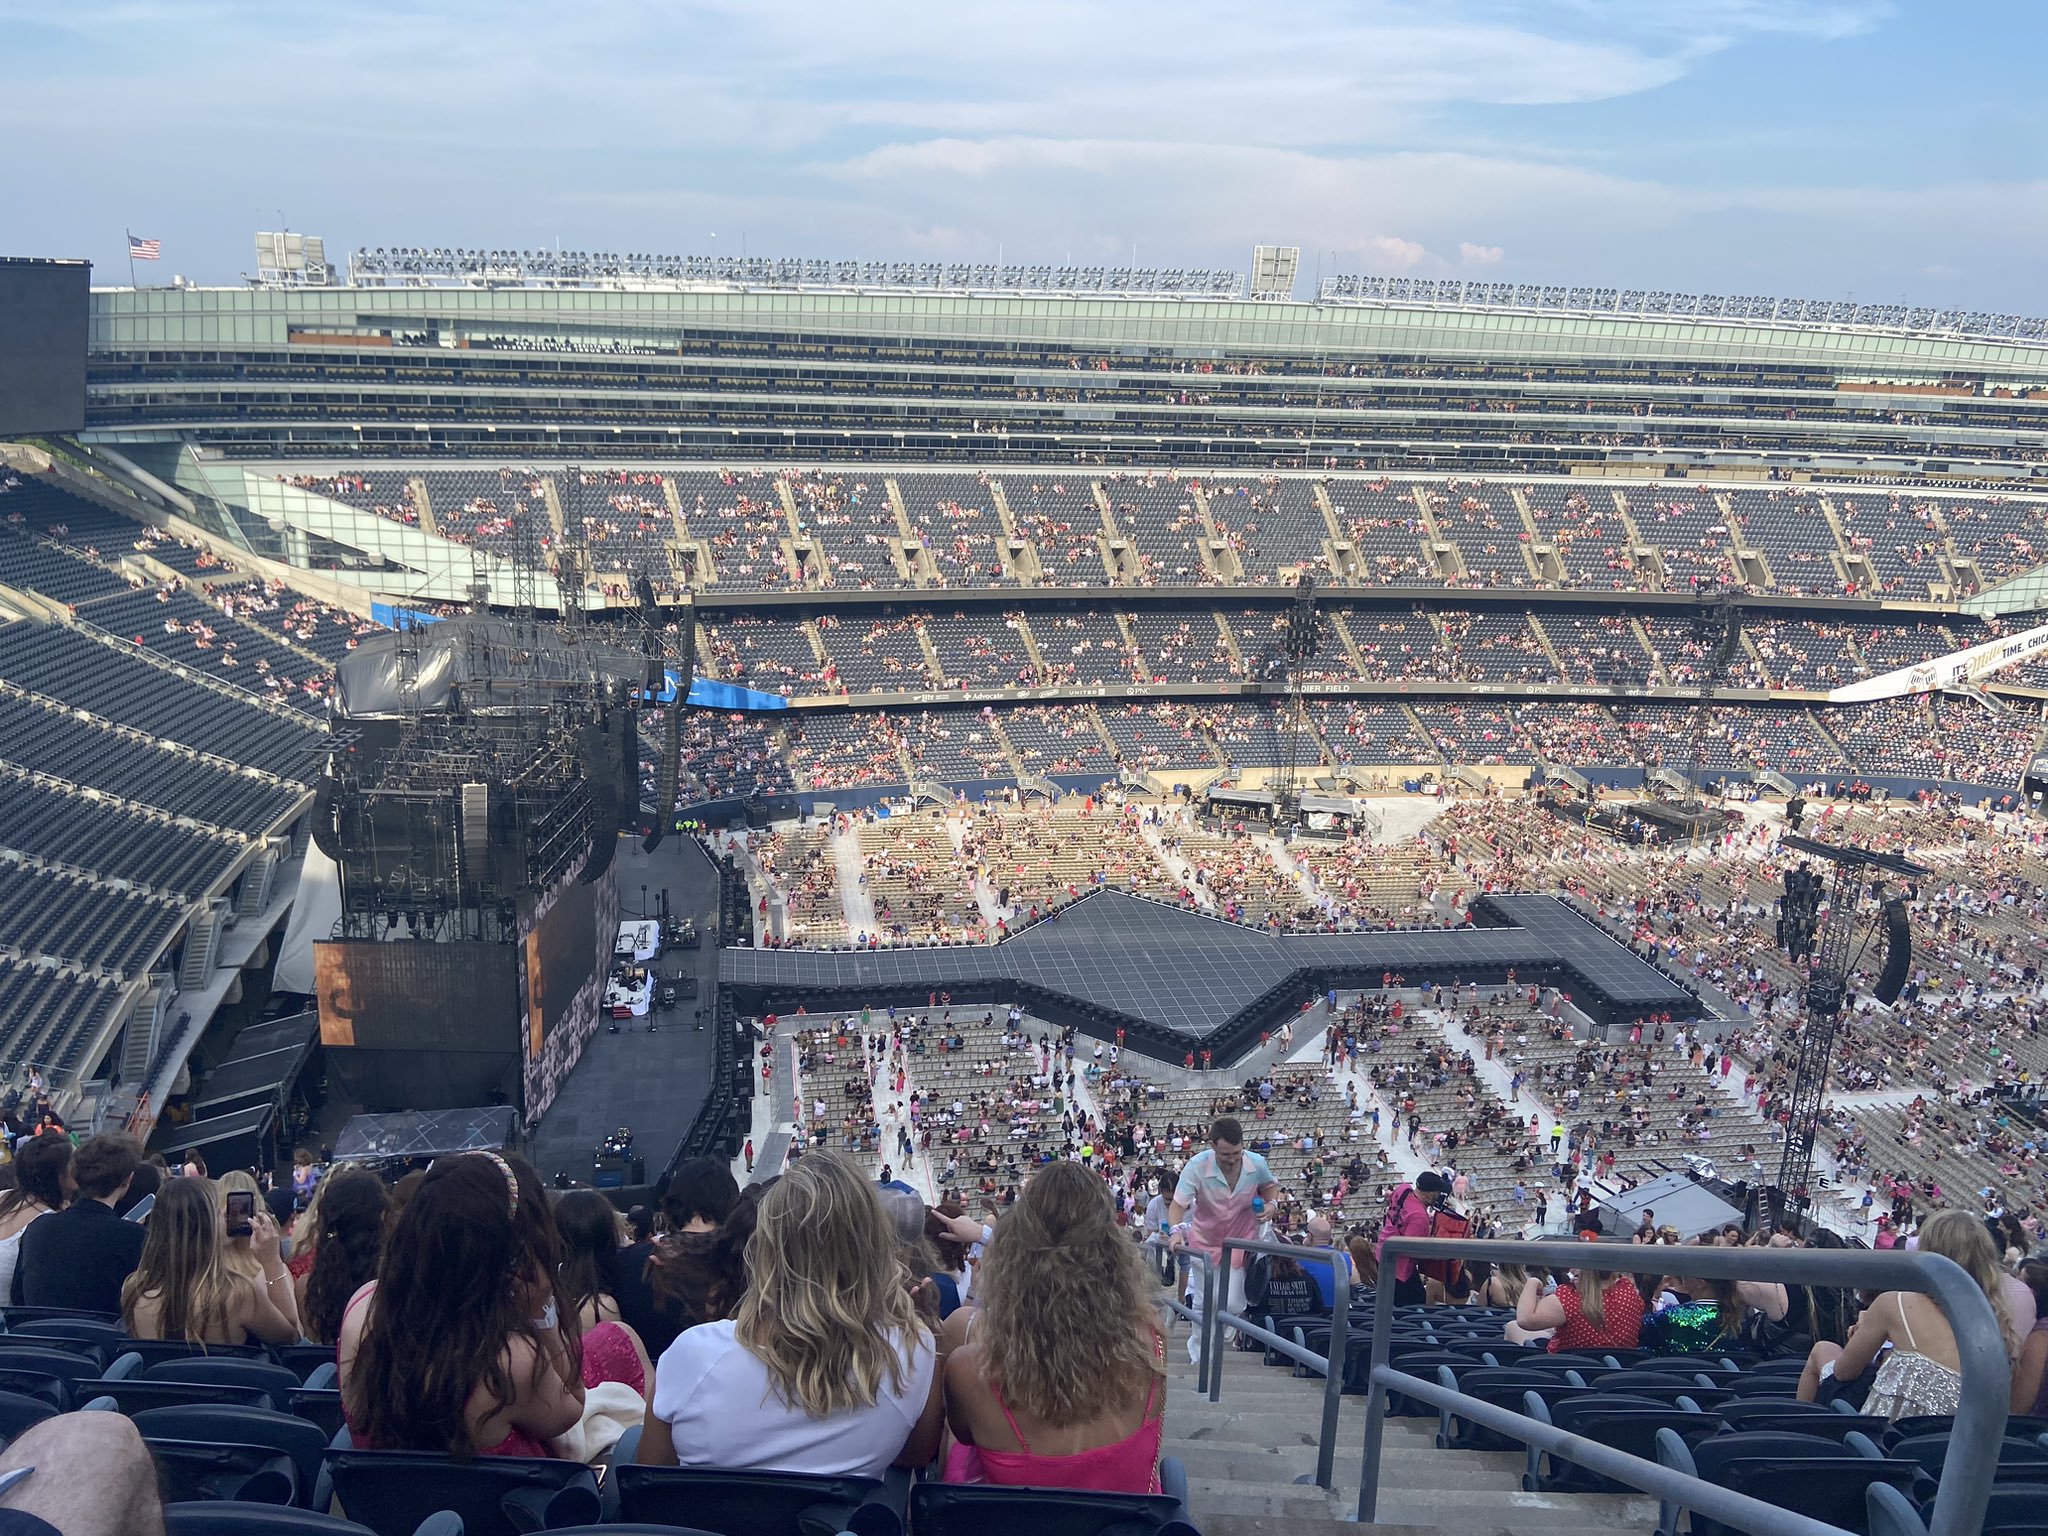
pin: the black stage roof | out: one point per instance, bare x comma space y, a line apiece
1175, 979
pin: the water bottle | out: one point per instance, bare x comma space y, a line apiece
1258, 1205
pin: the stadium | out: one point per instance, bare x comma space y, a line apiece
951, 665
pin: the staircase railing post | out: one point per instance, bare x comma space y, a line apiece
1375, 1396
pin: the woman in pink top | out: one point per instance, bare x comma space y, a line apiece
1062, 1380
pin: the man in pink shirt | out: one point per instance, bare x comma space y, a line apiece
1222, 1194
1408, 1215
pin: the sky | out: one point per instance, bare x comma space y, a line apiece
1797, 148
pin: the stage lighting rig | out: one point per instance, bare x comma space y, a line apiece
1824, 916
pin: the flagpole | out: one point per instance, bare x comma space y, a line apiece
131, 259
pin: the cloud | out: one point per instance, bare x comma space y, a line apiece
1390, 253
1377, 134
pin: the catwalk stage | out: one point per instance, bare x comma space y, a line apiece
653, 1083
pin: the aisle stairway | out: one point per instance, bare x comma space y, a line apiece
1244, 1454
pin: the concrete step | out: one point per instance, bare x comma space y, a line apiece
1403, 1473
1219, 1423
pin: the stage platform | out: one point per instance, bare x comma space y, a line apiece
654, 1083
1178, 980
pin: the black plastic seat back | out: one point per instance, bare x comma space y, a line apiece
757, 1503
320, 1406
1834, 1489
1931, 1452
19, 1413
1767, 1417
267, 1376
49, 1358
2018, 1426
2015, 1511
294, 1437
1762, 1386
393, 1491
155, 1351
302, 1360
54, 1390
947, 1509
200, 1470
78, 1330
136, 1394
1624, 1424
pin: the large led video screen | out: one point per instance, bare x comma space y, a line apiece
43, 320
561, 953
410, 994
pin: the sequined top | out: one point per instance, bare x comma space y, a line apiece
1907, 1385
1690, 1328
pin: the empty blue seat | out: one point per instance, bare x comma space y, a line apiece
1503, 1387
134, 1394
1804, 1473
1616, 1420
761, 1503
392, 1492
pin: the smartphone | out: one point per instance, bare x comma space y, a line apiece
140, 1210
241, 1213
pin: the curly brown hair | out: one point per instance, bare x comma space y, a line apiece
1066, 1302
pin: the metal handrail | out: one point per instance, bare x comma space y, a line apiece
1332, 1366
1966, 1473
1203, 1367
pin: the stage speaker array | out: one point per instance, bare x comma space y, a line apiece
668, 782
476, 829
600, 772
1898, 952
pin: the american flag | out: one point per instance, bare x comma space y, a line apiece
144, 250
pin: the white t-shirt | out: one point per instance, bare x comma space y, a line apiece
724, 1412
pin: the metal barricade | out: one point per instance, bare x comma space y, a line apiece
1967, 1471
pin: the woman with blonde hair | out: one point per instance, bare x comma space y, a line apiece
825, 1366
1922, 1373
1595, 1309
182, 1287
249, 1255
1062, 1380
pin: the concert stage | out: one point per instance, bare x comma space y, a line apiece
1175, 980
653, 1083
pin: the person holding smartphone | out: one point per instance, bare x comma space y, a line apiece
184, 1289
254, 1246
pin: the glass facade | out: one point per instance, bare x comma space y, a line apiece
524, 373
